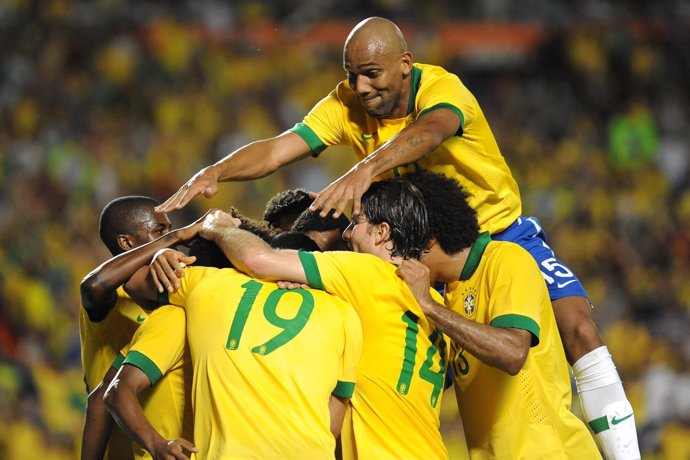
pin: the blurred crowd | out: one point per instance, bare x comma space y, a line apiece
109, 98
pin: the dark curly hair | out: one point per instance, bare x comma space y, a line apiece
311, 221
398, 203
453, 223
286, 204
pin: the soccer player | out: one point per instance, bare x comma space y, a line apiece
395, 407
273, 368
133, 232
400, 116
511, 374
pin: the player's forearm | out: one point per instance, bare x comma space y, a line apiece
124, 406
253, 256
408, 146
260, 158
98, 425
501, 348
100, 284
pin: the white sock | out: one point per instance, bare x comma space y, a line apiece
605, 407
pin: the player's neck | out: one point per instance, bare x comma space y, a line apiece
443, 267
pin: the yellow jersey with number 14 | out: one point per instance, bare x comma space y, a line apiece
396, 405
266, 362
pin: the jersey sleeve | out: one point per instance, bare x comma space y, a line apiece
351, 353
516, 298
338, 273
447, 91
324, 125
159, 343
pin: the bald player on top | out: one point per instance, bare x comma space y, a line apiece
399, 116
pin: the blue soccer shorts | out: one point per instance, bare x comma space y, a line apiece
527, 232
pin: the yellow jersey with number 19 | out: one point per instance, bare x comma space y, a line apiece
527, 415
396, 405
472, 156
266, 362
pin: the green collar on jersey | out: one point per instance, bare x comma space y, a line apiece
414, 87
475, 255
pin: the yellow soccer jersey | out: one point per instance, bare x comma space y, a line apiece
159, 348
266, 362
472, 156
396, 406
522, 416
101, 343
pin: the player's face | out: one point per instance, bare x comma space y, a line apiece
377, 78
359, 235
156, 225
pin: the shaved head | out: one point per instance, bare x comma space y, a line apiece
378, 65
380, 34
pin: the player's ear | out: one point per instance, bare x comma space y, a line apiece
126, 242
406, 63
383, 233
429, 244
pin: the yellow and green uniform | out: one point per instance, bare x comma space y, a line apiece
471, 156
101, 343
159, 349
266, 362
395, 408
527, 415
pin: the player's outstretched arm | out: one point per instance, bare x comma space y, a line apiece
98, 423
409, 145
503, 348
252, 161
249, 253
121, 399
98, 288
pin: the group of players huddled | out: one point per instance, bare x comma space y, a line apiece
307, 335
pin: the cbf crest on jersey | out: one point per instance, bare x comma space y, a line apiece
470, 302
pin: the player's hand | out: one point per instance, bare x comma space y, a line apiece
416, 275
190, 231
173, 450
215, 221
350, 186
291, 285
167, 267
204, 182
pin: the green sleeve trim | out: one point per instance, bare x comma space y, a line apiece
310, 137
518, 322
311, 269
599, 424
344, 389
147, 366
445, 105
118, 361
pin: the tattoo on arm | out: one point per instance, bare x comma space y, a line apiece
398, 151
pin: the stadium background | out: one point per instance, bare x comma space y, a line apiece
589, 103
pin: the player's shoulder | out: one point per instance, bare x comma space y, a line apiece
431, 73
504, 251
